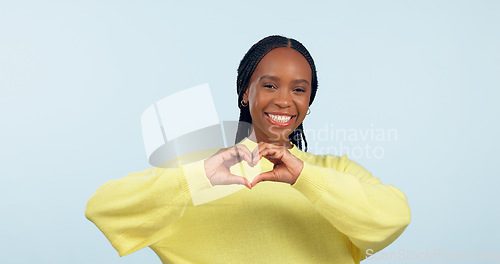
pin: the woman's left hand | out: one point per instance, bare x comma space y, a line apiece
287, 167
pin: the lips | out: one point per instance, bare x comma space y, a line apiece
280, 119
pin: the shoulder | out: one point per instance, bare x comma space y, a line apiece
328, 160
338, 163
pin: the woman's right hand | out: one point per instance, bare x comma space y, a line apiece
218, 165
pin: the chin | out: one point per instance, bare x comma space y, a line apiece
280, 133
280, 137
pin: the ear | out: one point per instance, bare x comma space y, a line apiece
245, 95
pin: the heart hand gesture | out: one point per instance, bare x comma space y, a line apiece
287, 167
217, 167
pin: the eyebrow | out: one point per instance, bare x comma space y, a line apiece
269, 77
277, 79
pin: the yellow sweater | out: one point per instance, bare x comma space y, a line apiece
334, 213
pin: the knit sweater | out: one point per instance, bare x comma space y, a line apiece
336, 212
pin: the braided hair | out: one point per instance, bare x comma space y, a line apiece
245, 70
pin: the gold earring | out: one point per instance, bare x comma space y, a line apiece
244, 103
308, 111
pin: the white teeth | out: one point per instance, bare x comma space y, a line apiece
281, 119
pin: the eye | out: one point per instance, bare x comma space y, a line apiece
270, 86
299, 89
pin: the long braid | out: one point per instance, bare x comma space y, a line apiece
298, 136
245, 70
244, 124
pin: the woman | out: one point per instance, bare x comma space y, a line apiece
301, 208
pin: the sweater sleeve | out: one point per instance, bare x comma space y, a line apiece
357, 204
134, 212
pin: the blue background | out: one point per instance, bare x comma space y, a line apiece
75, 77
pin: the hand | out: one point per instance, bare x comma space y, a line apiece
218, 165
287, 167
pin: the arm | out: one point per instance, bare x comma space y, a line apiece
371, 214
134, 212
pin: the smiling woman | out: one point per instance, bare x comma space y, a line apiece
299, 208
270, 63
278, 95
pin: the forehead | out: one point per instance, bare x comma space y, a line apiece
284, 62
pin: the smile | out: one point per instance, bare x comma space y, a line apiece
281, 120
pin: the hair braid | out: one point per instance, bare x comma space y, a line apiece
245, 70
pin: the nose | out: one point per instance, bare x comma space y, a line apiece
283, 98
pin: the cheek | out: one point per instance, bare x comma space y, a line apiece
258, 102
303, 105
255, 109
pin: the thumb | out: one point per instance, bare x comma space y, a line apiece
235, 179
265, 176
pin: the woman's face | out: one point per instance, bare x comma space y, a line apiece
278, 95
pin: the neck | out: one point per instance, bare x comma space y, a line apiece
256, 138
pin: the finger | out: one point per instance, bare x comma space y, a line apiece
270, 146
230, 155
244, 152
233, 155
255, 155
263, 145
273, 155
265, 176
235, 179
